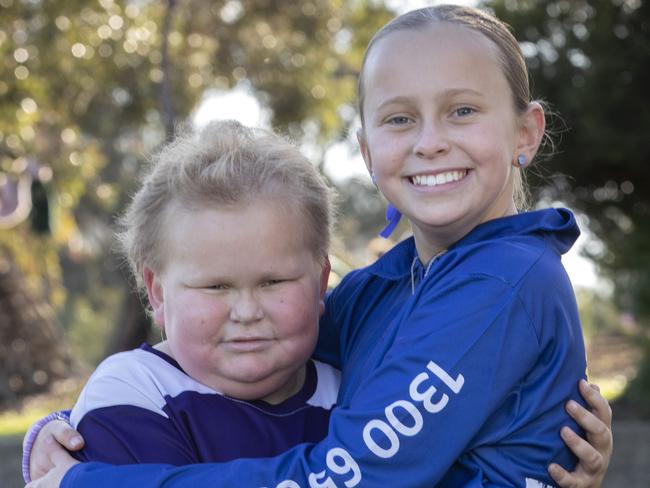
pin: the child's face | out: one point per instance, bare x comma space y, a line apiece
239, 298
440, 130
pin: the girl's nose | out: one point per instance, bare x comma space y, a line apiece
245, 308
431, 141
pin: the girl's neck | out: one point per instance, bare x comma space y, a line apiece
431, 242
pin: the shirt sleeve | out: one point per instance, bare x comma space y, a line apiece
125, 434
117, 431
442, 367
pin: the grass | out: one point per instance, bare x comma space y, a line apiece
14, 422
62, 395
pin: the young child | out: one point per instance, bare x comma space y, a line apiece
461, 345
235, 273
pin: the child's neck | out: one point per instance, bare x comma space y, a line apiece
289, 389
250, 391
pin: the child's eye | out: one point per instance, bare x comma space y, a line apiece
217, 286
273, 282
464, 111
399, 120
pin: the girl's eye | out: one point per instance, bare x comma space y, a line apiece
464, 111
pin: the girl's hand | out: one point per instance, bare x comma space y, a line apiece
594, 453
50, 444
61, 462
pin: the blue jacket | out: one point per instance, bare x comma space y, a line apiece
452, 377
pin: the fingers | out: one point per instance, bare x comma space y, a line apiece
561, 476
597, 423
594, 427
595, 452
65, 435
590, 458
61, 458
49, 442
599, 405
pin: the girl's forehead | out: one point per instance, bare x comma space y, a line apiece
433, 41
442, 56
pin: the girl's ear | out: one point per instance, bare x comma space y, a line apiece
531, 132
363, 147
155, 295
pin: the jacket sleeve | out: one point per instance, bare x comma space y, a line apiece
442, 368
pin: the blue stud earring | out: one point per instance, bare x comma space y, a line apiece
374, 180
521, 160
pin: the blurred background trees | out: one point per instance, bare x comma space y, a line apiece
89, 88
591, 61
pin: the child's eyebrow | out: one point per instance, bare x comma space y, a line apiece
450, 93
459, 91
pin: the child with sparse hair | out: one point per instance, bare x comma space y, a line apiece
235, 272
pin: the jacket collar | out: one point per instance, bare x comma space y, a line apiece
557, 226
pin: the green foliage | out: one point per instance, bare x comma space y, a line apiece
589, 58
636, 394
598, 313
83, 93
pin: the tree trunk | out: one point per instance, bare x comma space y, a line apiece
32, 348
133, 327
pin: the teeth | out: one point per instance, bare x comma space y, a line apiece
439, 179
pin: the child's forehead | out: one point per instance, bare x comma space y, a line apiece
437, 35
439, 50
263, 217
246, 243
435, 44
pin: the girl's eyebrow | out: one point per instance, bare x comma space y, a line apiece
459, 91
403, 99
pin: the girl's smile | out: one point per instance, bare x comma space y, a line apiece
440, 179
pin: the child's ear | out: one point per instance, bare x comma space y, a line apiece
363, 147
531, 132
324, 280
155, 295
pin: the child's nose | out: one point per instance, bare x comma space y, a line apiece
245, 308
431, 141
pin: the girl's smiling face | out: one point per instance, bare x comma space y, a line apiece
441, 132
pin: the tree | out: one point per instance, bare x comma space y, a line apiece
95, 86
589, 58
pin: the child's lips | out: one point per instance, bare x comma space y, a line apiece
247, 344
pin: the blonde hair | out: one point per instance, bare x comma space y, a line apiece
512, 59
225, 164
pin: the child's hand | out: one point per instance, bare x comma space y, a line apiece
61, 462
50, 444
594, 453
